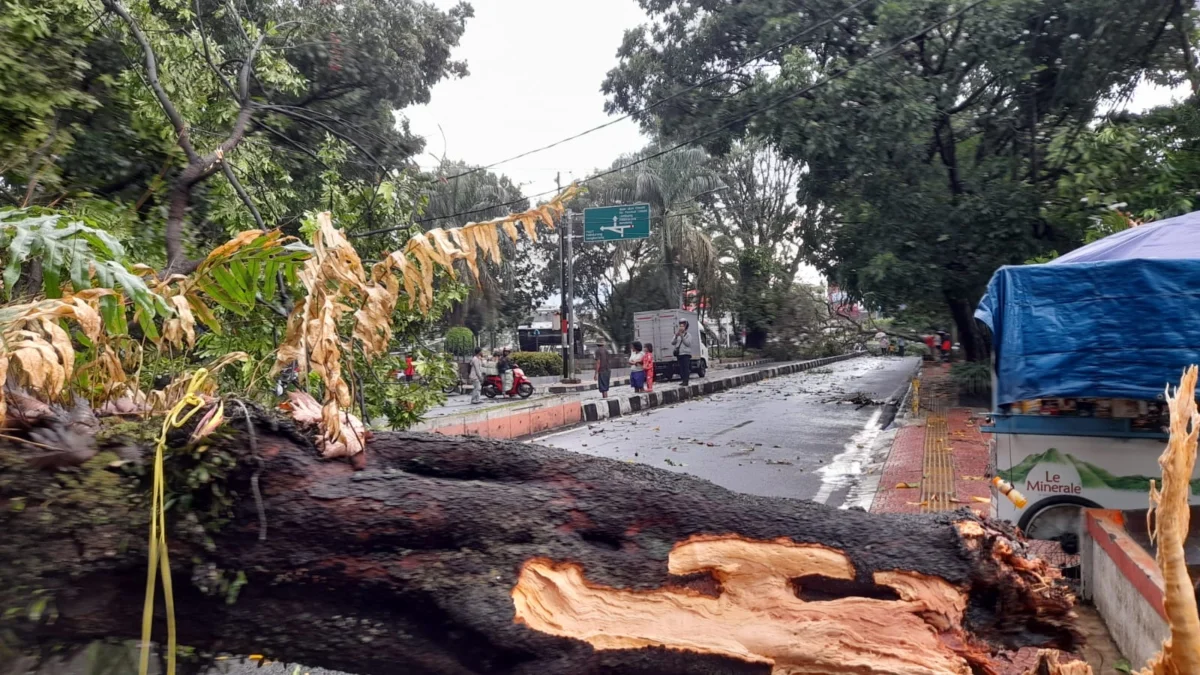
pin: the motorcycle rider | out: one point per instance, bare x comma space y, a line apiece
504, 368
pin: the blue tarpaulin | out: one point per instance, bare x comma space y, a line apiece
1119, 318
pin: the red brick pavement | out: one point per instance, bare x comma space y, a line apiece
904, 466
971, 456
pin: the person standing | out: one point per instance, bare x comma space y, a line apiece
946, 347
476, 375
409, 370
900, 345
648, 366
603, 373
682, 347
637, 372
504, 370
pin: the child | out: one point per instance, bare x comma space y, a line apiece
637, 375
648, 366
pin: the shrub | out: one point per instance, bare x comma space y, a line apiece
537, 364
972, 377
460, 341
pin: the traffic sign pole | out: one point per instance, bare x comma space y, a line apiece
564, 260
570, 361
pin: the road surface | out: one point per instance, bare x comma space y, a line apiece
806, 435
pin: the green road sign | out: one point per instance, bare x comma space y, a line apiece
616, 223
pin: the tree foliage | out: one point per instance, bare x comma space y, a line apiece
933, 160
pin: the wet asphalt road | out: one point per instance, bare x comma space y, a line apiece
795, 436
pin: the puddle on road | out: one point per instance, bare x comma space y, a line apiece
846, 468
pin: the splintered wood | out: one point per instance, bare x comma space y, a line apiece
1169, 519
1181, 652
758, 616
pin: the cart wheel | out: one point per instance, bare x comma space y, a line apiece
525, 390
452, 388
1054, 527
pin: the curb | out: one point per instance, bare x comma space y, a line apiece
615, 407
536, 417
897, 404
591, 386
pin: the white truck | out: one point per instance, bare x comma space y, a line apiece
658, 328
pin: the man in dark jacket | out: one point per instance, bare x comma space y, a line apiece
603, 372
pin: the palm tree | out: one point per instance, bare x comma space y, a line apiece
504, 288
670, 184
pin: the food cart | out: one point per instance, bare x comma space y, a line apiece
1083, 348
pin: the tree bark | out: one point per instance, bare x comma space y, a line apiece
974, 342
450, 555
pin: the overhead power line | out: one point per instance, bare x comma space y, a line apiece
654, 104
871, 58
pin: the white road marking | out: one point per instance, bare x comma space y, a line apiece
846, 468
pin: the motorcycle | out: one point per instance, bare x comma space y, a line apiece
493, 384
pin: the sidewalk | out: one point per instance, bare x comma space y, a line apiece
939, 462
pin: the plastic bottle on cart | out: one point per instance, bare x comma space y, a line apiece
1009, 491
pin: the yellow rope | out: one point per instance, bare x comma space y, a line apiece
177, 417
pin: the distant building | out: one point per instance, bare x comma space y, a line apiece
543, 331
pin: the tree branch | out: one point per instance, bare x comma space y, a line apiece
241, 192
208, 55
164, 101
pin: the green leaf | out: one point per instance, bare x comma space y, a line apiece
230, 284
147, 323
270, 278
112, 310
217, 292
51, 282
205, 315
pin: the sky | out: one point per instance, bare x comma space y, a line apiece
536, 68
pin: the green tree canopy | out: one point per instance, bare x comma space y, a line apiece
933, 160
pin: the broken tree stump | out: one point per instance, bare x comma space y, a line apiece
453, 555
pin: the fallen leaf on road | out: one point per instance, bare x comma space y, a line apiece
917, 503
982, 500
907, 486
779, 461
972, 478
654, 429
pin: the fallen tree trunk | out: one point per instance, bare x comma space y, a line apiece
454, 555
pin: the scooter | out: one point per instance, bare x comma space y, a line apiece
492, 384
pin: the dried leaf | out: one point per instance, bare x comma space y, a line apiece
510, 228
61, 342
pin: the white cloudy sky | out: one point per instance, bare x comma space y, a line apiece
536, 69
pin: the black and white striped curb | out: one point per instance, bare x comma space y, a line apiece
624, 405
617, 382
